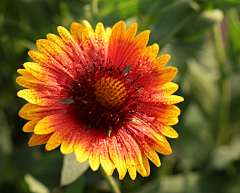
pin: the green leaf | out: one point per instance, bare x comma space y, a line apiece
111, 11
68, 101
87, 127
168, 184
234, 37
6, 145
195, 141
177, 15
34, 185
203, 86
224, 155
225, 4
76, 187
127, 69
200, 25
71, 169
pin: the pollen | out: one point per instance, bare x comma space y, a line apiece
110, 92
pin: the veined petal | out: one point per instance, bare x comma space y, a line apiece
43, 97
38, 71
170, 99
161, 97
167, 74
30, 125
147, 150
75, 45
159, 110
54, 141
24, 72
60, 132
132, 155
76, 31
75, 62
105, 159
38, 56
161, 61
168, 131
100, 33
94, 158
116, 154
101, 45
88, 31
168, 88
54, 51
38, 139
53, 123
70, 139
161, 127
123, 47
161, 144
146, 61
84, 144
30, 111
146, 164
32, 82
48, 69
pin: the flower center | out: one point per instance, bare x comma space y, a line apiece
110, 92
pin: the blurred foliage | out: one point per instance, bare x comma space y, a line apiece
203, 38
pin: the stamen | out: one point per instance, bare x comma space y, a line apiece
110, 92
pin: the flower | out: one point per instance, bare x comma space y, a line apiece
103, 95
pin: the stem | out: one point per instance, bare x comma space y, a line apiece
224, 111
95, 7
111, 182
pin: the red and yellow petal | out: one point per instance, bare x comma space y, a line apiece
53, 123
69, 140
105, 159
123, 47
165, 99
30, 111
167, 74
146, 60
57, 137
160, 144
146, 149
32, 82
160, 111
52, 75
43, 97
94, 158
84, 145
116, 154
132, 155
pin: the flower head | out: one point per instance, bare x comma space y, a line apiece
102, 94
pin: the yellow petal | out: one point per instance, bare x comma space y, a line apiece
38, 139
30, 125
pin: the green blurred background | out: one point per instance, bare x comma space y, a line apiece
203, 38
